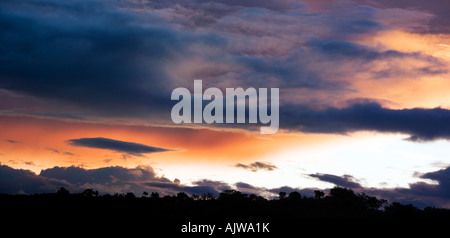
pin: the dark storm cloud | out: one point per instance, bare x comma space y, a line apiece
79, 176
106, 180
256, 166
75, 179
130, 148
421, 124
346, 180
89, 54
16, 181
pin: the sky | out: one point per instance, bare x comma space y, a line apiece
85, 96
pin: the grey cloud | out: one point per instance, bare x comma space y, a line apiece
108, 56
130, 148
250, 189
121, 180
256, 166
267, 4
107, 180
351, 50
18, 181
13, 141
113, 54
420, 123
75, 179
105, 175
60, 151
54, 150
218, 185
442, 189
346, 180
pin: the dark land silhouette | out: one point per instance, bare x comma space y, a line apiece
340, 209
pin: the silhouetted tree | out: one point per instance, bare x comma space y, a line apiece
182, 196
232, 195
130, 195
62, 191
89, 193
372, 203
195, 197
154, 195
342, 193
144, 194
342, 203
254, 197
318, 194
118, 195
282, 195
207, 197
397, 209
294, 196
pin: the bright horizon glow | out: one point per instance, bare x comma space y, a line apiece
377, 160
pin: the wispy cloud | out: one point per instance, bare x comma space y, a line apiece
60, 151
13, 141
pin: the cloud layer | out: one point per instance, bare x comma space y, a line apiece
106, 180
122, 59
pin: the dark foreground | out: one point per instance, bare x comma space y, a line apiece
232, 214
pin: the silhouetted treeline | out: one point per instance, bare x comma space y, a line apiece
340, 202
340, 206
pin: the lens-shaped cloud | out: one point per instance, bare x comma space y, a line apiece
130, 148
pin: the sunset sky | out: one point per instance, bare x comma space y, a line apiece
85, 96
